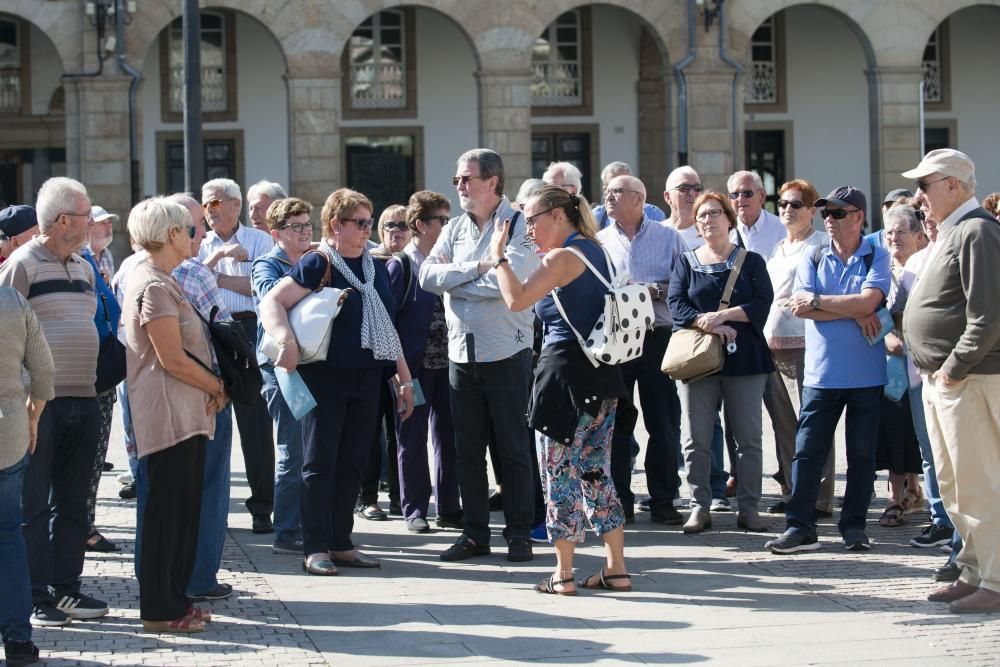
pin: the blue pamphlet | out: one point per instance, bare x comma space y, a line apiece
899, 379
885, 318
297, 396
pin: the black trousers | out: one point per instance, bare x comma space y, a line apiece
386, 429
336, 441
257, 440
170, 528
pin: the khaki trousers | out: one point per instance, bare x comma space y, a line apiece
964, 426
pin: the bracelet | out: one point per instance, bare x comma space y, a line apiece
405, 385
500, 260
222, 385
287, 342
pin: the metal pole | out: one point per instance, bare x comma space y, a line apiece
194, 153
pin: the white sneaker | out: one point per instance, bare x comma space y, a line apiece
125, 478
720, 505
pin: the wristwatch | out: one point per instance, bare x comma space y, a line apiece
501, 260
814, 304
657, 292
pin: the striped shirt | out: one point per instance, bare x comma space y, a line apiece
63, 297
256, 242
648, 258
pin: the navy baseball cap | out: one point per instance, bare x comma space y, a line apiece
17, 219
845, 196
893, 195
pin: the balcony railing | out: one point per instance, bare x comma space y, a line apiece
10, 90
556, 85
933, 90
378, 86
761, 84
214, 90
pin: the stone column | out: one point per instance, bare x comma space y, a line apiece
656, 158
897, 145
314, 137
97, 145
710, 124
505, 120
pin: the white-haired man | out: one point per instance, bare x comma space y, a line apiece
953, 335
757, 229
611, 171
228, 250
60, 286
260, 196
564, 175
679, 192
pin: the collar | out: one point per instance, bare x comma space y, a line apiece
43, 253
642, 225
749, 228
212, 237
971, 204
277, 253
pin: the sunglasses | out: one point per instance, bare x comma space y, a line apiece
443, 219
395, 227
464, 180
920, 215
297, 227
213, 203
745, 194
360, 223
923, 185
190, 231
687, 188
837, 213
785, 203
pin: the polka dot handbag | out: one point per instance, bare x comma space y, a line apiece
620, 330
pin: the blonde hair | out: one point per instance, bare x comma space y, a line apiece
150, 221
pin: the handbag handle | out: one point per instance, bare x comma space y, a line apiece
727, 293
325, 282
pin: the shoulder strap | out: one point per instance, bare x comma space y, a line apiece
510, 229
727, 293
326, 274
407, 266
590, 266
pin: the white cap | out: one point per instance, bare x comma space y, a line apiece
947, 162
100, 215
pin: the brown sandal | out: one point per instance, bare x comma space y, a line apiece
198, 614
912, 502
892, 516
548, 584
183, 625
602, 582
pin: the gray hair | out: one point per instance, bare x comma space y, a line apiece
613, 169
757, 183
185, 200
569, 171
490, 164
57, 196
150, 221
674, 179
228, 186
268, 189
904, 215
528, 190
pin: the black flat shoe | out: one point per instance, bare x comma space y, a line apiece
463, 549
262, 524
947, 572
103, 544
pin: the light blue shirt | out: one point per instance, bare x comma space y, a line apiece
837, 354
648, 258
256, 242
649, 210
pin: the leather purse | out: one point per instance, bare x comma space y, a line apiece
110, 356
693, 354
311, 320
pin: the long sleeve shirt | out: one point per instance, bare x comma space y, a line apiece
480, 326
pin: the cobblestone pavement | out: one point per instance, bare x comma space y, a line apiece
713, 597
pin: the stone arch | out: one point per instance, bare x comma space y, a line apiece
62, 28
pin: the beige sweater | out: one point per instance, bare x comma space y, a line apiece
24, 349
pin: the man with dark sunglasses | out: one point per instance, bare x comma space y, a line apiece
489, 355
757, 229
838, 288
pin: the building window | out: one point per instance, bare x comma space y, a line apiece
11, 88
223, 158
385, 163
933, 69
573, 144
380, 65
764, 83
557, 63
218, 68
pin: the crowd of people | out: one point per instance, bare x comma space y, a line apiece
462, 332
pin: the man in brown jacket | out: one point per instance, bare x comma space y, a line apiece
953, 334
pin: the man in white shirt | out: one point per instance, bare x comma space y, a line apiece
228, 251
680, 192
756, 230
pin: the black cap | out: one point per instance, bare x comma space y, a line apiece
17, 219
893, 195
845, 196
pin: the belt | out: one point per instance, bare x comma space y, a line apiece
245, 315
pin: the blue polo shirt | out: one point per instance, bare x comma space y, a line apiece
837, 354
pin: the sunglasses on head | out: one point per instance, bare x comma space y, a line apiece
745, 194
785, 203
837, 213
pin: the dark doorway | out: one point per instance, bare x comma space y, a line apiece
766, 157
572, 147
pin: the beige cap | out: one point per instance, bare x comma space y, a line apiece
99, 214
947, 162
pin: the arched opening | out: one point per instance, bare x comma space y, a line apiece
32, 128
244, 103
807, 114
600, 93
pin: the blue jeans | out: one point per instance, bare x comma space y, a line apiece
128, 435
288, 466
818, 417
15, 582
938, 515
214, 505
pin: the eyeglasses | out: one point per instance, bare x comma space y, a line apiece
710, 214
297, 227
837, 213
785, 203
464, 180
213, 203
923, 185
746, 194
443, 219
79, 215
530, 220
617, 192
688, 188
361, 223
190, 230
395, 227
